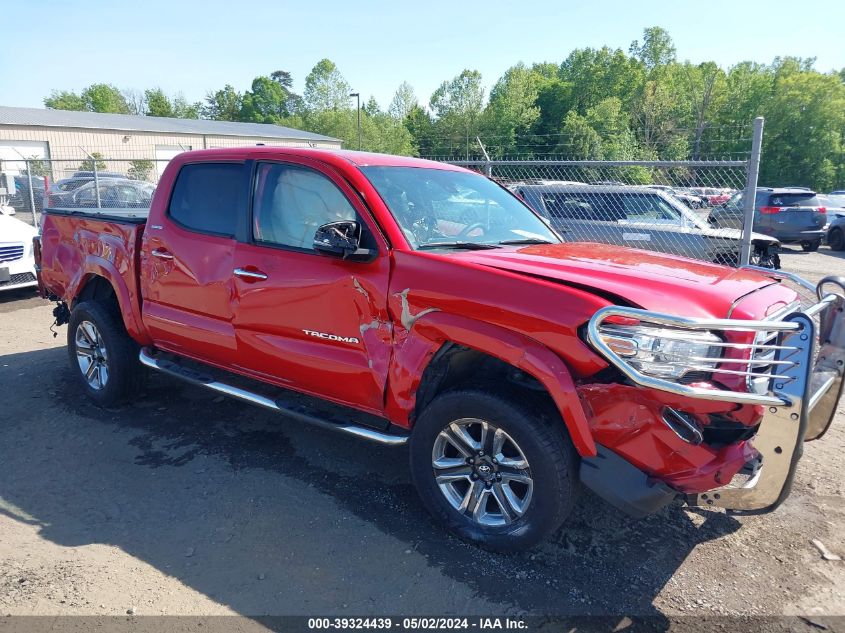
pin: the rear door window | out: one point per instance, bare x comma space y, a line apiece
209, 197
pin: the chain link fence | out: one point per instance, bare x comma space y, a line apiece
663, 206
97, 181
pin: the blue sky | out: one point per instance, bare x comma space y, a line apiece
193, 46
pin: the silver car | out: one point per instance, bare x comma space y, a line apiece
641, 218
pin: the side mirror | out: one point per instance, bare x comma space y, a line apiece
341, 239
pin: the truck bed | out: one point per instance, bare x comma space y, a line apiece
78, 244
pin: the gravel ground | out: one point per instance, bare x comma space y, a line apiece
186, 503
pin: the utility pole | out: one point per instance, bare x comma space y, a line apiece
357, 95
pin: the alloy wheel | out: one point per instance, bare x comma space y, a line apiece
91, 355
482, 472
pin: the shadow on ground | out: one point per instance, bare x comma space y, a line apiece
216, 494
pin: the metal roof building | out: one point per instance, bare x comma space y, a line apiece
66, 138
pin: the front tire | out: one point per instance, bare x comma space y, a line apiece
102, 354
810, 247
494, 472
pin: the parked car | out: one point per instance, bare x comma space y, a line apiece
793, 216
407, 301
641, 218
114, 193
80, 178
836, 233
100, 174
21, 200
17, 264
834, 203
712, 196
689, 199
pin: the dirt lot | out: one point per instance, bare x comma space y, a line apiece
186, 503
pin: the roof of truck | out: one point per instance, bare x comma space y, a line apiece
359, 159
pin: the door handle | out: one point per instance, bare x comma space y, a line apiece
161, 253
249, 275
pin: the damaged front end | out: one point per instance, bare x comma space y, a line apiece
788, 366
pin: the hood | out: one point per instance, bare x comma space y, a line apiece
654, 281
14, 230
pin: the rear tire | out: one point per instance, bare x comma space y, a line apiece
102, 354
513, 496
836, 240
809, 247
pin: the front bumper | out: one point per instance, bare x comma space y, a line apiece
21, 273
800, 392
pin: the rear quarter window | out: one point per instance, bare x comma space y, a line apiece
208, 197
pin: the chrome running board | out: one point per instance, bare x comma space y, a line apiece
148, 358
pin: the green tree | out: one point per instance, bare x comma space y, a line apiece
283, 78
805, 121
457, 106
158, 103
371, 107
703, 88
420, 126
579, 140
657, 48
184, 110
104, 98
403, 102
65, 100
136, 100
37, 167
140, 169
223, 105
597, 74
512, 110
266, 102
325, 88
96, 158
94, 98
553, 98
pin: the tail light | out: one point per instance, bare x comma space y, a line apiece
822, 209
769, 210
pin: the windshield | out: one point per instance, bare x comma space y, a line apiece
436, 207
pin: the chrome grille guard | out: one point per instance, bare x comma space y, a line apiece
800, 395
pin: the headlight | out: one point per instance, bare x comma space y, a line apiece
663, 352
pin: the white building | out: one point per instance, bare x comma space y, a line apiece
67, 138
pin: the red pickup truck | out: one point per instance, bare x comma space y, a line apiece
400, 300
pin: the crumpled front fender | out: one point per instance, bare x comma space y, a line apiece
414, 348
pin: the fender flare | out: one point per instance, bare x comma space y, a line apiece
414, 350
96, 266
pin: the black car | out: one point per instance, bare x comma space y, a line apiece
21, 199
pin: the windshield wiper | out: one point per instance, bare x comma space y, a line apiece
527, 240
469, 246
